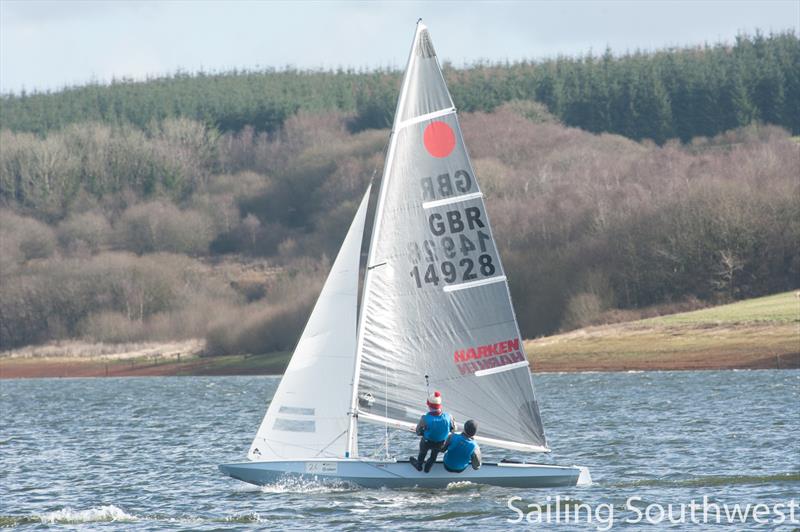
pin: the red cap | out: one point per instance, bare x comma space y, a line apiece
435, 401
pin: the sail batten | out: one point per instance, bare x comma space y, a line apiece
448, 201
473, 284
500, 369
427, 116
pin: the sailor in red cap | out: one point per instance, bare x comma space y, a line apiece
434, 427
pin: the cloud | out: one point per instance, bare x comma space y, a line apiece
45, 11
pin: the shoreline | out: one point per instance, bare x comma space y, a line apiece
233, 365
761, 333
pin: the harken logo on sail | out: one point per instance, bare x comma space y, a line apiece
489, 356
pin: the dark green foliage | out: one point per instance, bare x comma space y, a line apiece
376, 99
684, 93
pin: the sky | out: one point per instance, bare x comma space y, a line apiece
50, 44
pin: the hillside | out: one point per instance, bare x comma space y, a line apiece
184, 208
756, 333
673, 93
117, 235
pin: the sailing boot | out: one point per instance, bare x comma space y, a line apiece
415, 463
431, 461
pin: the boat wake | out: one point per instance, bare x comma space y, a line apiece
111, 513
464, 485
92, 515
290, 484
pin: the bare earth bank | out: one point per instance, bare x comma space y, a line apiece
595, 349
758, 333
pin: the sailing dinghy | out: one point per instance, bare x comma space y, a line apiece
435, 313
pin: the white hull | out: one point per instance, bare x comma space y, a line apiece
400, 474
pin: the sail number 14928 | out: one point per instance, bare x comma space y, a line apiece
466, 271
451, 255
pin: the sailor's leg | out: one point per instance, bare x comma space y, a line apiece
423, 450
435, 448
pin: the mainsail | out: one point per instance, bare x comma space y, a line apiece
436, 310
308, 414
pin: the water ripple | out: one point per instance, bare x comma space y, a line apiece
142, 453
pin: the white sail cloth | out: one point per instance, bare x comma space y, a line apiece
308, 414
436, 302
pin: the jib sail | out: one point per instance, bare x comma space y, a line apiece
308, 415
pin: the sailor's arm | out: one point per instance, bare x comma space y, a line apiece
421, 426
447, 442
476, 458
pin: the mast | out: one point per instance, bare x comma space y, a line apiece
352, 434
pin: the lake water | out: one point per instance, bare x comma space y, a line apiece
141, 453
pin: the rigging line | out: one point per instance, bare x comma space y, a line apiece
382, 469
378, 450
427, 388
386, 409
376, 454
292, 444
270, 448
384, 150
332, 442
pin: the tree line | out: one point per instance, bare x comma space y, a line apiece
675, 93
176, 229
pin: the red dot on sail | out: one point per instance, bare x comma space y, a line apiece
439, 139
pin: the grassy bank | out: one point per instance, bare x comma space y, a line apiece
82, 367
79, 359
756, 333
